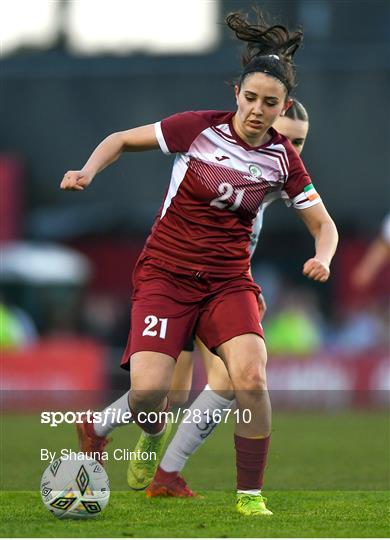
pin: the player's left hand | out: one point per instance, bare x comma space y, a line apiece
316, 269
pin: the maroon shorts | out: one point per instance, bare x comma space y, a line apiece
168, 304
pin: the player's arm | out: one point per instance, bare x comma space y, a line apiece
322, 228
109, 150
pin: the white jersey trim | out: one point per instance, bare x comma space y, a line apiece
300, 202
178, 173
279, 150
239, 157
160, 138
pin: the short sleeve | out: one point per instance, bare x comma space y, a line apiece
299, 187
176, 133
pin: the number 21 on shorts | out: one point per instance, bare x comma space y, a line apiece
152, 321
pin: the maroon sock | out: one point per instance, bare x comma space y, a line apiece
163, 476
251, 459
149, 426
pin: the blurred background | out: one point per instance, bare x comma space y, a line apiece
74, 72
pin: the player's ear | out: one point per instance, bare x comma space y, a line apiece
286, 106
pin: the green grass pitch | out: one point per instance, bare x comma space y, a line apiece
328, 476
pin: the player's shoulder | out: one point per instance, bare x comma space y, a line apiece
176, 133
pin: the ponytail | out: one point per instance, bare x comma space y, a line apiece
269, 49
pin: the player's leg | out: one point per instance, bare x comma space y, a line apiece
212, 403
219, 384
218, 378
151, 376
246, 358
210, 406
165, 308
231, 325
162, 318
182, 376
147, 396
94, 436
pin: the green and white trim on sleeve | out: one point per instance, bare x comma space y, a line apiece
308, 197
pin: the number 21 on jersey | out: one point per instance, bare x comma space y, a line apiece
152, 322
227, 191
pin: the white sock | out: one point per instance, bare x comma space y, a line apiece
112, 416
250, 491
191, 435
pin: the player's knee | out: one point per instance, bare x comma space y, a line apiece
251, 378
255, 383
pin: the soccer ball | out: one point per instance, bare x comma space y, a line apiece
76, 488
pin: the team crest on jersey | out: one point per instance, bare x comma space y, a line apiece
255, 173
255, 170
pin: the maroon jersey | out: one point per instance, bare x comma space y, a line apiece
217, 185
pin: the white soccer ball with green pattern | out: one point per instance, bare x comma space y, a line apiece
75, 488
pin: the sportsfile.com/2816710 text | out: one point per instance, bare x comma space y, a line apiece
110, 415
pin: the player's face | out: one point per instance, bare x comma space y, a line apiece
260, 101
295, 130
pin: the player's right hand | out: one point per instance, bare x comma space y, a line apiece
76, 180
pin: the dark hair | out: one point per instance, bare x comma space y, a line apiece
269, 49
297, 111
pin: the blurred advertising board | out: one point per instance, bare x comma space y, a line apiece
53, 371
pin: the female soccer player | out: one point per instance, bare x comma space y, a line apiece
218, 394
194, 269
